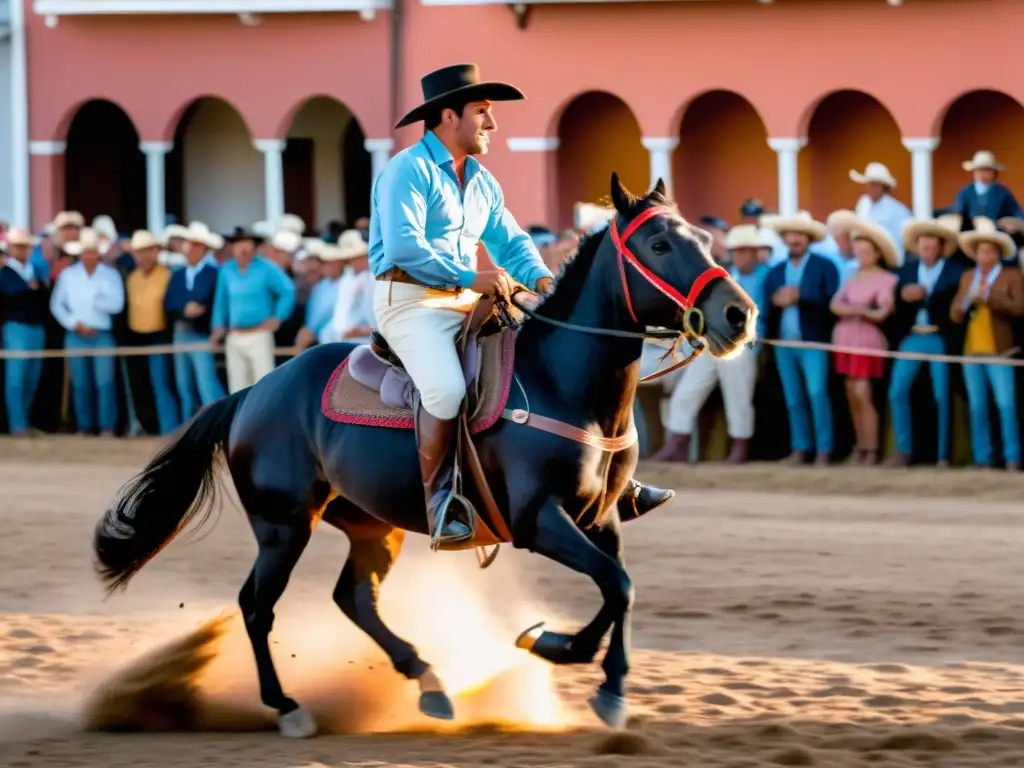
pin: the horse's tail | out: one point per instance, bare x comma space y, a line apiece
178, 485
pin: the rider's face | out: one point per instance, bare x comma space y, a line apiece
472, 132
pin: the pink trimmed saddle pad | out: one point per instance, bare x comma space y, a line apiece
371, 392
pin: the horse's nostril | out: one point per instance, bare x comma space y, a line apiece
737, 315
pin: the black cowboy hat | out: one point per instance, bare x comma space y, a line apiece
460, 81
243, 233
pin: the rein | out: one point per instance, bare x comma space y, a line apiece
693, 318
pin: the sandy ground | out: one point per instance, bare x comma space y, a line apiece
836, 617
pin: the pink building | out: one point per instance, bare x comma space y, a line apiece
231, 111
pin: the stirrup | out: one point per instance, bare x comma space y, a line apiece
441, 517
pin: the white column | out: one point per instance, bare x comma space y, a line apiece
660, 149
273, 177
20, 183
156, 203
380, 151
921, 170
789, 185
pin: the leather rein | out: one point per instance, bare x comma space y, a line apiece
693, 318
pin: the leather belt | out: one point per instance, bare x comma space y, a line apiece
925, 329
399, 275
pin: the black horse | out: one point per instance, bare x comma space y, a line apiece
577, 360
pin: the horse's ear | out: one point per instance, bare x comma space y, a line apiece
622, 198
659, 189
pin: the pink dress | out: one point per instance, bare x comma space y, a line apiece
874, 289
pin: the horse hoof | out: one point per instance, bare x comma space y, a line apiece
554, 647
437, 704
297, 724
611, 709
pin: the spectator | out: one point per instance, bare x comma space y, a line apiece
991, 301
737, 376
799, 291
189, 306
352, 318
23, 301
86, 297
839, 225
751, 212
861, 305
879, 207
323, 280
65, 227
145, 294
986, 197
254, 296
717, 227
924, 294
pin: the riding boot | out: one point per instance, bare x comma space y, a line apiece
435, 439
676, 449
639, 499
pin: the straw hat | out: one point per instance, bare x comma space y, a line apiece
946, 228
198, 232
875, 173
88, 240
175, 230
985, 232
841, 221
983, 159
143, 238
350, 246
877, 236
802, 223
20, 236
589, 217
745, 236
104, 226
286, 241
289, 222
68, 219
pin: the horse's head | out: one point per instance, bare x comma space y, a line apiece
667, 271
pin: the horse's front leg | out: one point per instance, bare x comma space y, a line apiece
599, 557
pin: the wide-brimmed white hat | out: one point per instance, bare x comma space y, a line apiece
289, 222
875, 173
198, 232
88, 240
877, 236
985, 232
841, 221
945, 227
179, 231
143, 238
802, 222
105, 227
350, 246
286, 241
589, 217
20, 236
983, 159
745, 236
68, 219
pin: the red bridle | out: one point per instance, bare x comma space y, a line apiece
687, 302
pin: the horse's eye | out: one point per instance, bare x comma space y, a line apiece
661, 247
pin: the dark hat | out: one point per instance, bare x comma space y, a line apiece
460, 81
715, 222
242, 233
752, 207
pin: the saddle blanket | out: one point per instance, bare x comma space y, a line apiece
368, 391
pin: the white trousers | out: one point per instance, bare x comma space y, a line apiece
737, 378
420, 324
249, 356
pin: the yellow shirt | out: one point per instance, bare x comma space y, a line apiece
981, 337
145, 299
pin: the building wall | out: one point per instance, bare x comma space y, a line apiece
6, 187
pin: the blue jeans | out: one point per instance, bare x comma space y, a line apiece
904, 372
166, 405
195, 370
797, 368
22, 375
1000, 378
93, 376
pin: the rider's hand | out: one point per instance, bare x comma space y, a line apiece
545, 286
492, 282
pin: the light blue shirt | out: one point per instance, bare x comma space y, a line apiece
753, 284
927, 276
424, 222
320, 304
789, 323
246, 299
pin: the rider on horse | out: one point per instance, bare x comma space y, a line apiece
431, 207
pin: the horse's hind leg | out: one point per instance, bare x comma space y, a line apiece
375, 547
282, 526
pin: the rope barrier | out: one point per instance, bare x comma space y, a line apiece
155, 349
1004, 359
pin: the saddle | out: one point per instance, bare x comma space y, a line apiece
372, 388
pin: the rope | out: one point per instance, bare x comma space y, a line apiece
155, 349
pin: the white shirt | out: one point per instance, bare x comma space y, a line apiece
353, 305
888, 213
91, 300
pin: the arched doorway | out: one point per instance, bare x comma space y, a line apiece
327, 170
978, 120
847, 130
214, 173
597, 134
723, 157
104, 169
